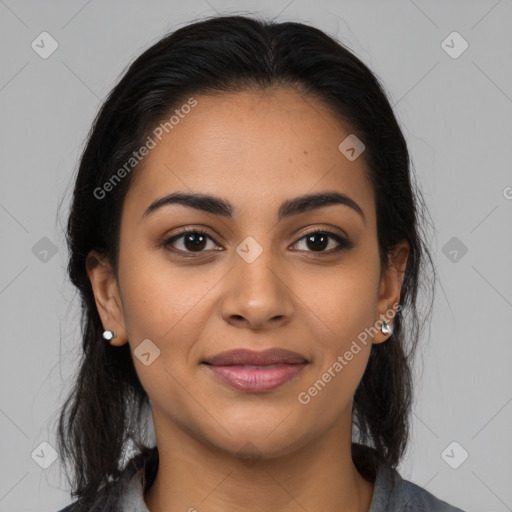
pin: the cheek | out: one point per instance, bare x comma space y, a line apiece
341, 311
168, 306
343, 346
340, 306
158, 298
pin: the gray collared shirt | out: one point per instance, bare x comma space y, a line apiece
391, 494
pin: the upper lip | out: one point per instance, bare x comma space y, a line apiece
250, 357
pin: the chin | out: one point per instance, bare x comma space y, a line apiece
257, 444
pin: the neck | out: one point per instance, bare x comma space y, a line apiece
194, 476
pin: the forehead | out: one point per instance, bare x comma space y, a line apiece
255, 149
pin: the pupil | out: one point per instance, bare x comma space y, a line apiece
322, 244
195, 242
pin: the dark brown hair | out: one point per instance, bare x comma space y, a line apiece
103, 414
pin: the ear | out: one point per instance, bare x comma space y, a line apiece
390, 287
106, 295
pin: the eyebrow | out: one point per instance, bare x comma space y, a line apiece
288, 208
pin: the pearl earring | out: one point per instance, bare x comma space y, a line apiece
385, 328
109, 335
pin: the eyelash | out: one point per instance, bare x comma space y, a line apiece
344, 244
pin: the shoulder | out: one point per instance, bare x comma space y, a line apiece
69, 508
392, 492
106, 500
99, 507
416, 498
105, 504
127, 491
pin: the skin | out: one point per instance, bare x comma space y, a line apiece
255, 150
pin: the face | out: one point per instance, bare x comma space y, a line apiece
304, 279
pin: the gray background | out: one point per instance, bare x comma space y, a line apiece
456, 116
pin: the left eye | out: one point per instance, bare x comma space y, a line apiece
194, 241
319, 240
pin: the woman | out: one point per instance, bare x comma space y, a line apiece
245, 238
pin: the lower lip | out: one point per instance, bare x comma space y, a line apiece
256, 379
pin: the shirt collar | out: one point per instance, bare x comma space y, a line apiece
133, 497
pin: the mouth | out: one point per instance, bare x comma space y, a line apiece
256, 372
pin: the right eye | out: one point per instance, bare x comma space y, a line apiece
193, 241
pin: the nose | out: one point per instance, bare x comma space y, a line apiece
257, 295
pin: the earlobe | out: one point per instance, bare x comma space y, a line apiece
106, 295
390, 288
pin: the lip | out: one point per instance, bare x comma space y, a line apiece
256, 372
251, 357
